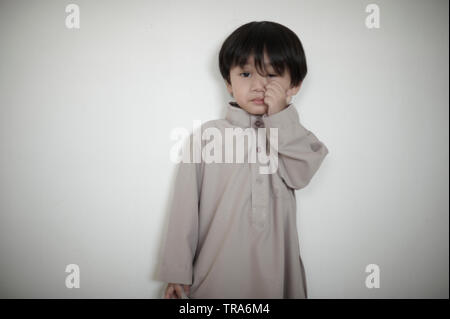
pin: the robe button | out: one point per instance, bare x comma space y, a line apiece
259, 123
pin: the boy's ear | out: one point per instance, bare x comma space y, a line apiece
293, 90
229, 88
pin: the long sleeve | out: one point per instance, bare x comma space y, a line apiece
300, 153
182, 233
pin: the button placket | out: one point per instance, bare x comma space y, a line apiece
260, 196
257, 122
259, 182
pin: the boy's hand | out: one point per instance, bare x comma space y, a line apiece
275, 97
175, 291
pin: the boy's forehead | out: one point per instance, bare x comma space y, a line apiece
251, 62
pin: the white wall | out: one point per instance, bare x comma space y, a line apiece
86, 116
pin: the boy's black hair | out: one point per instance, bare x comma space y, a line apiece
282, 46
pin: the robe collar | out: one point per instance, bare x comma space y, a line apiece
240, 117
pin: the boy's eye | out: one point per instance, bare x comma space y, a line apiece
271, 75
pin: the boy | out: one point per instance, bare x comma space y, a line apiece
232, 231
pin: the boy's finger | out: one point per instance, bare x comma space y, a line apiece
169, 291
274, 83
186, 290
277, 86
178, 291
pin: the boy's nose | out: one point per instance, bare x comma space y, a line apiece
260, 82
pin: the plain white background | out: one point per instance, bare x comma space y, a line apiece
86, 116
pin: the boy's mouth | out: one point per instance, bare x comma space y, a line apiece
258, 101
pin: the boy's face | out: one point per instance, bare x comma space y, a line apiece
247, 85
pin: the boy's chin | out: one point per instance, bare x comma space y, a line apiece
255, 109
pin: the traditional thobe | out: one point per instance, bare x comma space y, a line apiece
232, 231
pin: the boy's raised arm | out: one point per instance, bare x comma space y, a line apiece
300, 153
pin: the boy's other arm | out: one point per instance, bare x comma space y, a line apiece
300, 153
182, 232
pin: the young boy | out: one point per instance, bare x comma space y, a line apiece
232, 231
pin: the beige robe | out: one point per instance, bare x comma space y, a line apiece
232, 231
